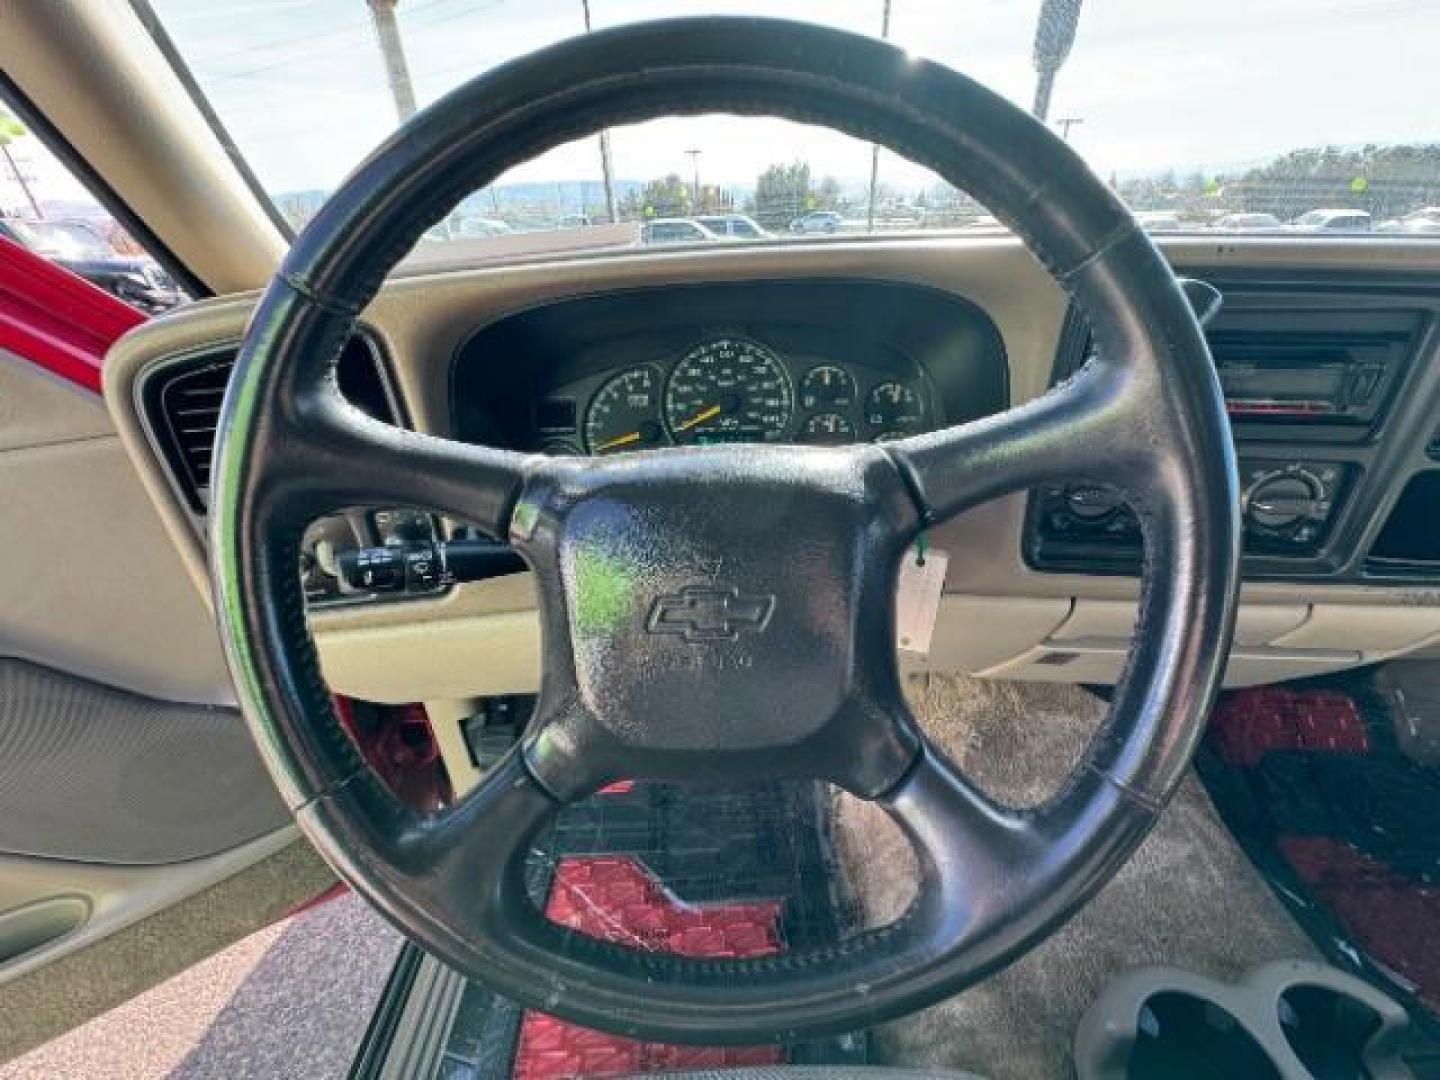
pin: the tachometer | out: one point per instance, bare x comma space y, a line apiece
624, 414
729, 390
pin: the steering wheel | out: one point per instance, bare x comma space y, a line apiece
798, 548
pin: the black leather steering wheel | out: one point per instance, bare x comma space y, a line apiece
804, 542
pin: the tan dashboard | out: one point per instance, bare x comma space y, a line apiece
999, 616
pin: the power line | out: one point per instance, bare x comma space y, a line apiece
333, 46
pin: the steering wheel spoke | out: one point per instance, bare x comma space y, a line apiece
339, 457
1087, 427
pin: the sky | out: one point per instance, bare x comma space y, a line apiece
1158, 83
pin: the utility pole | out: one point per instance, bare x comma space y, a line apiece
875, 147
1065, 123
695, 166
607, 168
397, 71
1054, 36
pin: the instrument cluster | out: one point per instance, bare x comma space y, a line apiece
731, 387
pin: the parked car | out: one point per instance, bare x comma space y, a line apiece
1424, 220
471, 227
817, 221
733, 226
1159, 220
677, 231
138, 280
1333, 221
1249, 222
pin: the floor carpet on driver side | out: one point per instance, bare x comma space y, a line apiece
688, 870
1313, 781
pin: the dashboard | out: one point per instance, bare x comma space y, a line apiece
1329, 354
824, 363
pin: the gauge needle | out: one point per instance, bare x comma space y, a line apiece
699, 418
623, 440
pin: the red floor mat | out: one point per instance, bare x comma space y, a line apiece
1313, 782
615, 898
1391, 917
1250, 723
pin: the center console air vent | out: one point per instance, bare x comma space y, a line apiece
1409, 541
181, 401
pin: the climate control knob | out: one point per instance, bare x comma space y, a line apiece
1089, 502
1280, 500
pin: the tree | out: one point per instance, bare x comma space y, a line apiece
12, 129
1386, 180
667, 196
783, 192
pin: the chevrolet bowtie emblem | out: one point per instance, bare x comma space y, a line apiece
703, 613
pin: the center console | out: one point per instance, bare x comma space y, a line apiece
1307, 388
1287, 506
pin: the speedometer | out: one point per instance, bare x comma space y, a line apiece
729, 390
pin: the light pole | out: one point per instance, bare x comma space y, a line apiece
695, 167
875, 147
607, 168
397, 71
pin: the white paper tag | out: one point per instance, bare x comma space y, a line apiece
917, 598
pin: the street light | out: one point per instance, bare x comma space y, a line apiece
1054, 36
695, 167
875, 147
607, 168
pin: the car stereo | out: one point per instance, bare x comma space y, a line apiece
1294, 379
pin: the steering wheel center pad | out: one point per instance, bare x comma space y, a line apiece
719, 613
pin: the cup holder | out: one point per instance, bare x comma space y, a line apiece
1285, 1021
1185, 1037
1328, 1030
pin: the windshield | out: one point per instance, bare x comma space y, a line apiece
1295, 116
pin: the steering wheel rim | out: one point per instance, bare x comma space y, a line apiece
1147, 416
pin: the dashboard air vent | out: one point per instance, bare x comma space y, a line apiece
186, 416
182, 401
